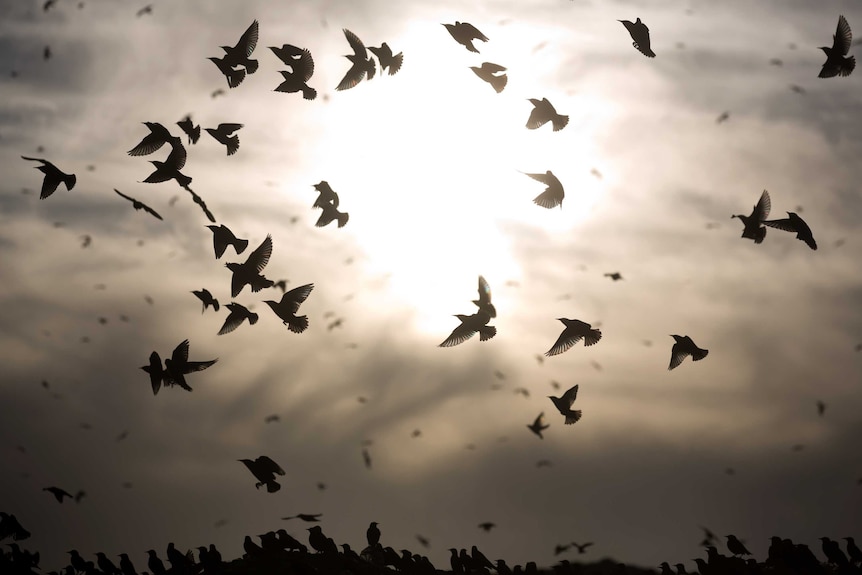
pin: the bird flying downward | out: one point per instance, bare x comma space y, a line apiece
683, 348
222, 238
753, 229
53, 177
538, 425
388, 61
191, 130
464, 33
362, 67
544, 112
139, 205
553, 194
470, 324
837, 62
288, 306
238, 314
248, 272
640, 36
58, 493
564, 405
493, 74
574, 331
224, 134
207, 298
793, 223
178, 366
484, 302
264, 470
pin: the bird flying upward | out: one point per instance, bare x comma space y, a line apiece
553, 195
388, 61
178, 366
464, 33
564, 405
484, 302
248, 272
264, 470
288, 306
838, 63
362, 65
753, 228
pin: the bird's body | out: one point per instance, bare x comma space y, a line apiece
464, 33
640, 36
326, 195
470, 325
239, 55
538, 425
249, 272
553, 195
574, 331
372, 534
493, 74
387, 60
736, 546
170, 168
224, 134
264, 470
223, 237
207, 299
793, 223
753, 228
544, 112
288, 306
154, 369
238, 314
564, 405
293, 82
838, 63
138, 205
54, 176
362, 65
683, 348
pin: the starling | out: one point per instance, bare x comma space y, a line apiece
223, 237
553, 194
372, 534
470, 324
640, 36
224, 134
753, 229
156, 372
155, 564
684, 347
487, 526
207, 298
248, 272
544, 112
53, 177
837, 62
388, 61
309, 517
582, 547
736, 546
538, 425
238, 314
287, 307
170, 168
362, 67
58, 493
191, 130
139, 205
239, 54
264, 470
493, 74
464, 33
564, 405
793, 223
294, 82
574, 331
234, 77
106, 565
178, 366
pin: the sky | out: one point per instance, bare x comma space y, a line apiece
428, 163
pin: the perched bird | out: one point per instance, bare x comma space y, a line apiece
224, 134
178, 366
464, 33
388, 61
288, 306
248, 272
223, 237
470, 324
207, 298
484, 302
544, 112
139, 205
156, 372
853, 550
372, 534
493, 74
10, 527
833, 552
58, 493
106, 566
564, 405
320, 542
238, 314
155, 564
487, 526
736, 546
158, 137
264, 470
574, 331
640, 36
330, 213
684, 347
53, 177
362, 67
553, 194
538, 425
837, 62
753, 229
191, 130
794, 223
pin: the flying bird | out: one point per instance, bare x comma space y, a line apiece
493, 74
363, 66
564, 405
294, 82
794, 223
683, 348
753, 229
723, 117
238, 314
138, 205
154, 369
821, 408
544, 112
484, 302
553, 194
222, 238
248, 272
330, 214
538, 425
640, 36
207, 298
170, 168
582, 547
158, 137
574, 331
191, 130
487, 526
148, 9
237, 56
224, 134
616, 276
264, 470
464, 33
327, 195
837, 62
308, 517
470, 325
288, 306
58, 493
53, 177
178, 366
272, 418
388, 61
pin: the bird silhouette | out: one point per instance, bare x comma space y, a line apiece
58, 493
574, 331
372, 534
327, 195
493, 74
833, 552
138, 205
852, 550
837, 62
308, 517
582, 547
53, 177
470, 325
158, 137
723, 117
224, 134
464, 33
683, 348
10, 527
821, 408
106, 565
238, 314
207, 299
736, 546
330, 214
234, 77
156, 372
148, 9
794, 223
238, 55
248, 272
544, 112
178, 366
362, 65
190, 129
302, 68
553, 194
484, 302
564, 405
640, 36
366, 458
752, 224
320, 542
387, 60
155, 565
223, 237
538, 425
170, 168
264, 470
616, 276
288, 306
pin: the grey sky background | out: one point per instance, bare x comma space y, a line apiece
427, 164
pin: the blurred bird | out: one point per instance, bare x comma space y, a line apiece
553, 194
484, 302
470, 324
362, 67
207, 298
853, 550
616, 276
574, 331
158, 137
191, 130
423, 541
794, 223
238, 314
156, 372
58, 493
366, 458
683, 348
736, 546
564, 405
723, 117
248, 272
288, 306
837, 62
223, 237
272, 418
139, 205
224, 134
309, 517
538, 425
10, 527
53, 177
330, 214
544, 112
582, 547
148, 9
86, 240
388, 61
487, 526
264, 470
560, 548
492, 73
821, 408
464, 33
753, 229
178, 366
640, 36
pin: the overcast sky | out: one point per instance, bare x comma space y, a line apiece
427, 163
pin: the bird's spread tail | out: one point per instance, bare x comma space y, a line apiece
298, 324
592, 337
342, 219
486, 332
699, 354
272, 486
560, 121
70, 181
309, 93
499, 82
240, 245
573, 416
251, 66
252, 318
235, 78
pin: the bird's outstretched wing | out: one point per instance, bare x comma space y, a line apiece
260, 256
180, 356
677, 354
564, 342
269, 465
248, 41
843, 36
459, 335
764, 205
785, 224
296, 296
355, 43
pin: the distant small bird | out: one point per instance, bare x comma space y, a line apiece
86, 240
138, 205
616, 276
736, 546
148, 9
560, 548
216, 93
288, 306
223, 237
798, 89
753, 228
723, 117
487, 526
308, 517
470, 325
178, 366
249, 272
821, 408
366, 458
362, 65
46, 53
464, 33
564, 405
224, 134
272, 418
794, 223
330, 214
683, 348
207, 299
264, 470
538, 425
191, 130
238, 314
388, 61
58, 493
544, 112
574, 331
484, 302
53, 177
582, 547
492, 73
837, 62
553, 195
640, 36
423, 541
